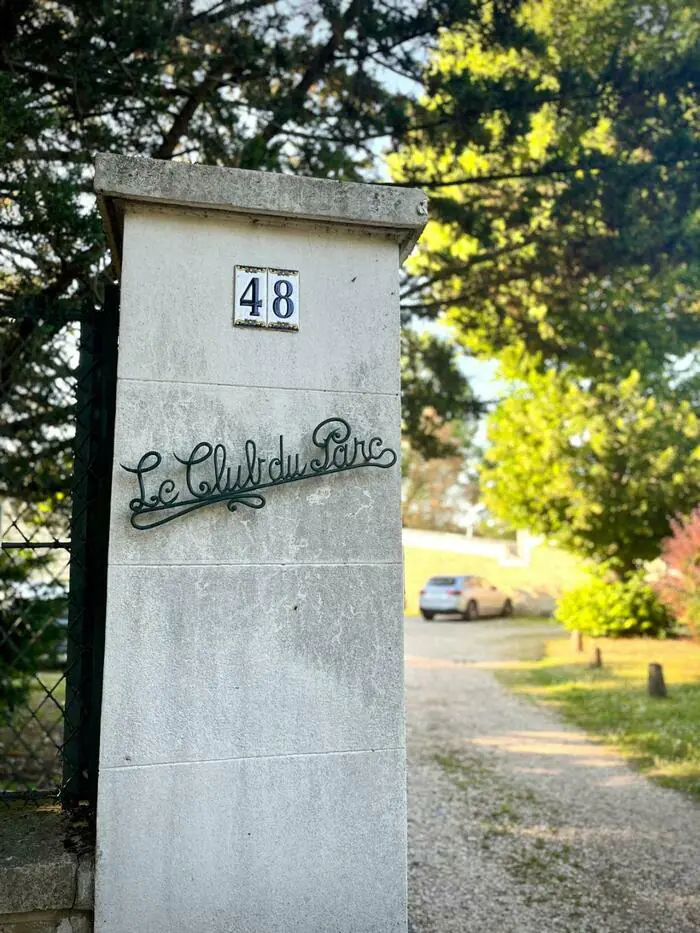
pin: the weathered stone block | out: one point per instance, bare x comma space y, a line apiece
252, 756
187, 334
353, 517
307, 843
245, 662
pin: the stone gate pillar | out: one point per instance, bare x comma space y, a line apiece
252, 735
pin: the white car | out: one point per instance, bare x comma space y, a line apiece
467, 595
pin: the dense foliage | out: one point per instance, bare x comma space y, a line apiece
301, 88
563, 164
679, 587
600, 470
563, 160
608, 608
436, 490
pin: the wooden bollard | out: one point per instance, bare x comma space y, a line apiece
656, 683
597, 658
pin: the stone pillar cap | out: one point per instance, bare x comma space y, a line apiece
400, 213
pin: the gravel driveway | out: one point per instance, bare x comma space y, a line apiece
517, 822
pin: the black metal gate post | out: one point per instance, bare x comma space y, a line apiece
91, 489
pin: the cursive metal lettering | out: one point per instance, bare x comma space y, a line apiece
209, 479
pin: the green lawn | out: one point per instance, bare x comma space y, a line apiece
660, 736
30, 738
550, 571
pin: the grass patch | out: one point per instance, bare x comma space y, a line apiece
550, 571
661, 737
499, 805
30, 737
466, 774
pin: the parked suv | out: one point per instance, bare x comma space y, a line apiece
467, 595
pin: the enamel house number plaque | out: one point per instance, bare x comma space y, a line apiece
264, 297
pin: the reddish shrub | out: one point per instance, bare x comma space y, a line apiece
679, 587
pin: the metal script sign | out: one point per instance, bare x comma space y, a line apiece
210, 479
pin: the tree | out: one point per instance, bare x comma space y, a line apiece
562, 157
602, 469
435, 395
293, 88
435, 488
564, 172
302, 88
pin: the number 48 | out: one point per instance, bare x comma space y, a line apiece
266, 298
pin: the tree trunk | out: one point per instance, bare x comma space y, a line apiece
577, 641
597, 658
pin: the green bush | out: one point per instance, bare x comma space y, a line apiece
32, 638
614, 609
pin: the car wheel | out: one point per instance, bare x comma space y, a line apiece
471, 612
507, 610
427, 615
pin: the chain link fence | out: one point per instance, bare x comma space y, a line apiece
57, 375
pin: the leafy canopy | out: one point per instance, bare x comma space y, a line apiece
601, 470
300, 88
295, 88
563, 157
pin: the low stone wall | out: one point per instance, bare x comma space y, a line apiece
46, 871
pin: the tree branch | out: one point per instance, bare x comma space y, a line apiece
210, 83
290, 104
459, 269
221, 11
183, 118
548, 172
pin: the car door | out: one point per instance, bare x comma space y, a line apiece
491, 598
478, 592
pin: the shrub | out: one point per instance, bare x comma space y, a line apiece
614, 609
679, 587
31, 636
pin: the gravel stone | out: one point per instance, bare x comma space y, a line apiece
518, 822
